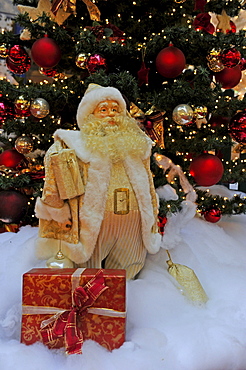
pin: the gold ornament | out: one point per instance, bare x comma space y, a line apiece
81, 60
224, 22
22, 106
200, 112
215, 65
214, 61
4, 51
182, 114
24, 144
188, 281
40, 108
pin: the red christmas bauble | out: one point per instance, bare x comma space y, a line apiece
229, 77
13, 206
170, 62
46, 53
212, 215
96, 62
162, 220
19, 68
233, 28
237, 127
218, 121
11, 158
17, 54
6, 110
207, 169
230, 57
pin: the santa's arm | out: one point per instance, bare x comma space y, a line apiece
50, 206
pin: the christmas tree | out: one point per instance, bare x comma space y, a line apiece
178, 63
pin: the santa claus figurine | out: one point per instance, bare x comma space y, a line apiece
99, 200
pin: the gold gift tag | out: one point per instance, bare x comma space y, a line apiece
121, 201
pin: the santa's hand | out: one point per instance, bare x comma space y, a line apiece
65, 225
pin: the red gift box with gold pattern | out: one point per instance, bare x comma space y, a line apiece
75, 303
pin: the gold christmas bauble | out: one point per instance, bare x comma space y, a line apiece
39, 108
183, 114
200, 112
24, 144
81, 60
22, 105
4, 51
214, 60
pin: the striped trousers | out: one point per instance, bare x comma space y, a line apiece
120, 244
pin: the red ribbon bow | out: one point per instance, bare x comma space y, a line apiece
65, 325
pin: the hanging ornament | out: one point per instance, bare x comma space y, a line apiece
4, 51
162, 220
214, 60
81, 60
233, 28
18, 60
200, 114
230, 57
242, 64
182, 114
11, 158
6, 109
202, 23
237, 127
96, 62
18, 69
143, 75
218, 121
39, 108
224, 22
22, 107
229, 77
17, 54
200, 5
13, 206
170, 62
51, 72
24, 144
206, 169
212, 215
45, 52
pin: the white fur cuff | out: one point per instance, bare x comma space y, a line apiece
48, 247
155, 243
42, 210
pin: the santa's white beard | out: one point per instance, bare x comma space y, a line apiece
117, 140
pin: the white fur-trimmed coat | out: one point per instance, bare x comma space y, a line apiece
89, 208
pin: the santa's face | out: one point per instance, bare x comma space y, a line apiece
107, 110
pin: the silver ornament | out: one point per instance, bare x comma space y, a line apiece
39, 108
183, 114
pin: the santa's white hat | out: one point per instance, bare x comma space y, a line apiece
93, 96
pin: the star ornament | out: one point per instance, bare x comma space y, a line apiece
224, 22
44, 6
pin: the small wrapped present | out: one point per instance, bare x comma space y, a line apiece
67, 174
64, 307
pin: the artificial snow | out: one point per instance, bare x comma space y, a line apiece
164, 329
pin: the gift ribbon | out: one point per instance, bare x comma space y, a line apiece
64, 321
70, 7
